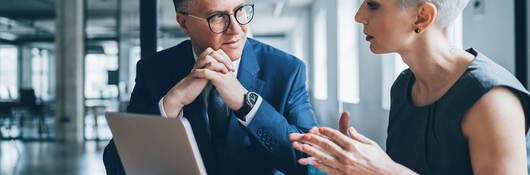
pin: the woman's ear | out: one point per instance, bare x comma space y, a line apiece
181, 19
426, 14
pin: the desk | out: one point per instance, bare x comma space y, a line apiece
95, 111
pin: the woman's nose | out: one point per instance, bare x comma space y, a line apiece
359, 16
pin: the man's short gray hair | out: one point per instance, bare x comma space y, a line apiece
182, 5
448, 10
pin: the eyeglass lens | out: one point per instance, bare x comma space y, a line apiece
220, 22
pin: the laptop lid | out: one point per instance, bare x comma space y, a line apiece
155, 145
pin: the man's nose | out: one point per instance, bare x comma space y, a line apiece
234, 26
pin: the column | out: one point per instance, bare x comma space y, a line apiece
521, 43
25, 66
148, 27
69, 44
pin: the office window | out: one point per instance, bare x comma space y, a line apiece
135, 57
97, 66
348, 54
40, 73
320, 65
8, 73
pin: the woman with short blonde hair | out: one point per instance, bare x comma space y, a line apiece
453, 111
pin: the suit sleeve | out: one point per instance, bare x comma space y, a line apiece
143, 101
140, 98
271, 129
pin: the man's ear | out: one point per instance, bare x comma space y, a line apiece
181, 19
426, 14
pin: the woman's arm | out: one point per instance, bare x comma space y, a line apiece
495, 130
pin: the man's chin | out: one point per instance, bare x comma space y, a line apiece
234, 54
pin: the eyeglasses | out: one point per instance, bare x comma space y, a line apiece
220, 22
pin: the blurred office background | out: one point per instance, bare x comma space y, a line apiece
64, 63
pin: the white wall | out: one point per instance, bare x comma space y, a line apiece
279, 42
492, 32
326, 110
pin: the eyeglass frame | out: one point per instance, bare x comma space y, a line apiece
224, 14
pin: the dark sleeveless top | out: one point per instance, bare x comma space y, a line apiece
429, 139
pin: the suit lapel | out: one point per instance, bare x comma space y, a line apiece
249, 69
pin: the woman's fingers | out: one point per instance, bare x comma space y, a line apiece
344, 122
339, 138
306, 161
358, 136
318, 164
315, 152
325, 144
326, 168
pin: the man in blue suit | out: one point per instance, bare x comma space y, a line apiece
242, 97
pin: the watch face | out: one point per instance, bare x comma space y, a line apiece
252, 97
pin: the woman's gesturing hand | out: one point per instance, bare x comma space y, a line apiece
351, 153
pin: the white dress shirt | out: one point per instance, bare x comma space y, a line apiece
206, 93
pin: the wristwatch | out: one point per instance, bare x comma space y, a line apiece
248, 103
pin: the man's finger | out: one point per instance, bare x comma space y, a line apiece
222, 59
220, 51
203, 62
207, 51
205, 74
218, 67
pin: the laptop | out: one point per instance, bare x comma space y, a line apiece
155, 145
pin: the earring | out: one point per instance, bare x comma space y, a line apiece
417, 30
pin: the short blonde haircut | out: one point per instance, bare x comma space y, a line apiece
448, 10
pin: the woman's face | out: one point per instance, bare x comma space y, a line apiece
387, 27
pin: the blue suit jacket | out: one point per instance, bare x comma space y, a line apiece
260, 148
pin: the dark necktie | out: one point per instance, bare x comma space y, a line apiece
218, 115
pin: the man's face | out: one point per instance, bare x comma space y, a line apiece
231, 41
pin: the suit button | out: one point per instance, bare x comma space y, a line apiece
267, 139
260, 132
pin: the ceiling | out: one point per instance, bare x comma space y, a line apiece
33, 20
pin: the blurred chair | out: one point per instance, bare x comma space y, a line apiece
27, 106
5, 114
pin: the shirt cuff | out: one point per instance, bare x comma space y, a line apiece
163, 113
252, 113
